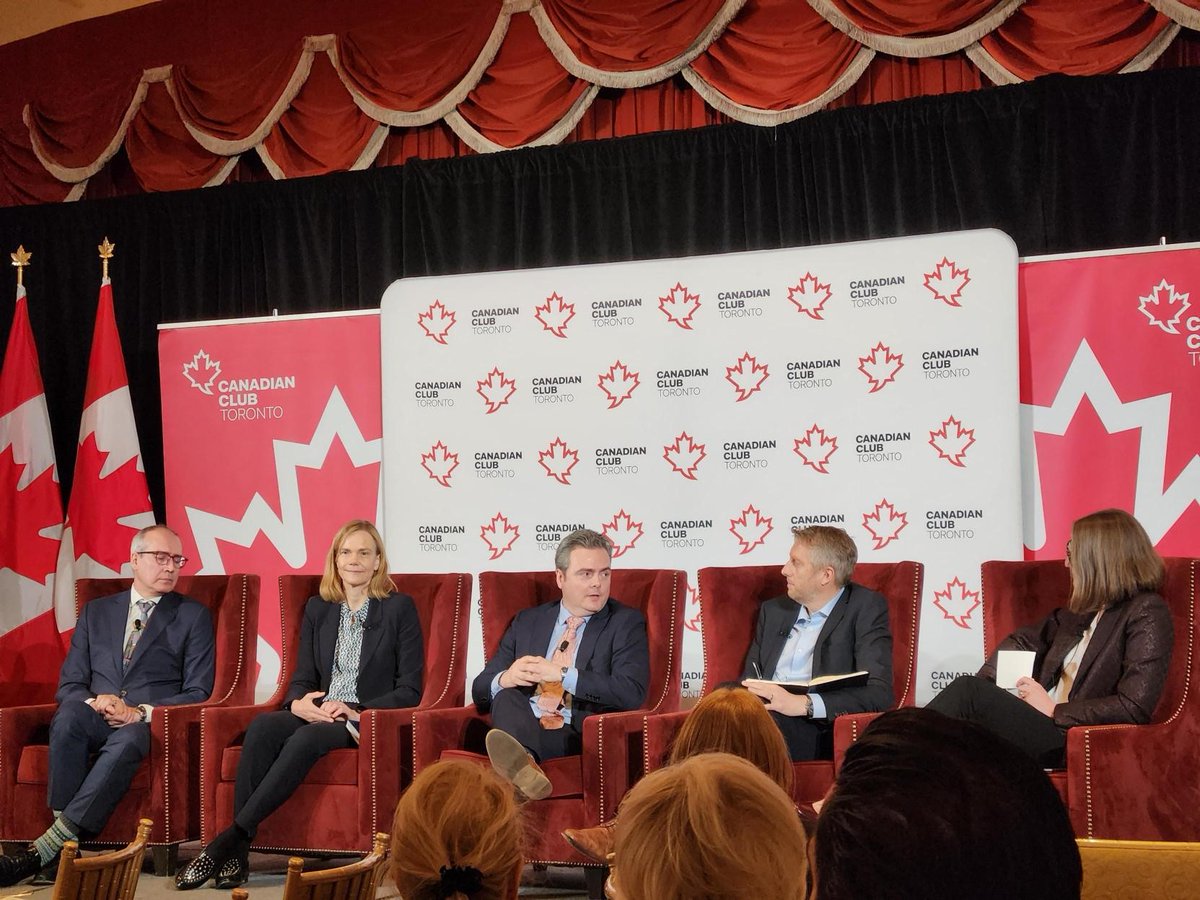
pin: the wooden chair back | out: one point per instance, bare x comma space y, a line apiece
108, 876
357, 881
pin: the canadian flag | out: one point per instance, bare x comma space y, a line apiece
31, 519
109, 502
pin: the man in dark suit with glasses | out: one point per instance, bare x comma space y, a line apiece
130, 653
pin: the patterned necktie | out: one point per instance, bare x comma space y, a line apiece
139, 624
551, 696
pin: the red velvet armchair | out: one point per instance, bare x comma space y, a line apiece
729, 601
588, 787
166, 788
1132, 782
350, 794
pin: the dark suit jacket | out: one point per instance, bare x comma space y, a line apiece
613, 658
856, 637
1120, 677
173, 663
392, 661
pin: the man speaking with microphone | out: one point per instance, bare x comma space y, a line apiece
559, 663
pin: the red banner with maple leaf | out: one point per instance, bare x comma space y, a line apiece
31, 519
271, 442
110, 501
1110, 385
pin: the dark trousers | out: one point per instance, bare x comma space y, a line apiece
278, 752
511, 712
806, 738
87, 795
978, 700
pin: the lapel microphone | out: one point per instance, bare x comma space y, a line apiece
137, 624
562, 648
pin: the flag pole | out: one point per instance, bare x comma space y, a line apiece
106, 253
20, 259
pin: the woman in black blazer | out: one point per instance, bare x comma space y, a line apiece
360, 648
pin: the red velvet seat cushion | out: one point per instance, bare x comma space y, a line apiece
565, 773
336, 767
34, 768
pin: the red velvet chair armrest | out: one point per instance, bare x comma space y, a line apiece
846, 730
612, 760
19, 726
660, 732
435, 730
385, 762
1133, 782
174, 752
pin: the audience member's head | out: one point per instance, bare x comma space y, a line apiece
457, 833
929, 806
712, 826
733, 720
1110, 557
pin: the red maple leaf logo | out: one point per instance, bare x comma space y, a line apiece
815, 448
684, 455
692, 623
623, 532
201, 372
1164, 306
618, 383
440, 463
880, 366
558, 460
554, 315
437, 321
679, 306
946, 282
951, 441
27, 512
809, 296
99, 503
499, 535
884, 523
956, 602
750, 528
746, 376
495, 389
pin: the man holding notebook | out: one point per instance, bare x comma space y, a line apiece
825, 626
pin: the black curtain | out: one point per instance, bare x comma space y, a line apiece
1060, 164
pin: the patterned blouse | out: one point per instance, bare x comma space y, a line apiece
346, 655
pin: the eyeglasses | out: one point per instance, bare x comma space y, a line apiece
162, 557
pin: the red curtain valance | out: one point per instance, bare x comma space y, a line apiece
389, 81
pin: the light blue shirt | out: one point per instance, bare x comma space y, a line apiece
571, 678
796, 660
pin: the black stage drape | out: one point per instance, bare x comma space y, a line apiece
1061, 164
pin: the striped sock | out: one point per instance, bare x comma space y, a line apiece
50, 844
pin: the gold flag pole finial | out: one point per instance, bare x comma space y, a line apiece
20, 259
106, 253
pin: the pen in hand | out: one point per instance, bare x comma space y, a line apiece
757, 670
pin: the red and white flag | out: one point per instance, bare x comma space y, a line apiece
31, 519
109, 498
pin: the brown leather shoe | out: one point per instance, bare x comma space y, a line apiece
595, 843
513, 763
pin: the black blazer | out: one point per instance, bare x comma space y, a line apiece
392, 661
856, 637
613, 658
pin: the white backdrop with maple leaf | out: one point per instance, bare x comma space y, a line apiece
501, 429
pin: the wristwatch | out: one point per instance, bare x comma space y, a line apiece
564, 671
808, 713
142, 712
